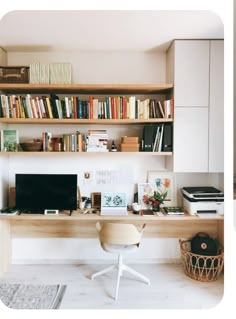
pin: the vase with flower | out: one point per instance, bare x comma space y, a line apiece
158, 196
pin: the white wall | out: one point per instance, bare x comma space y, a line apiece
234, 103
74, 250
4, 178
100, 67
3, 57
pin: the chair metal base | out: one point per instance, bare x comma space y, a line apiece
120, 267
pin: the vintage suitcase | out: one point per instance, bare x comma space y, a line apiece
14, 74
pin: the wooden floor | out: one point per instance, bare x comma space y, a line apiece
170, 287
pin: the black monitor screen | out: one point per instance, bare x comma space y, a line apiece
46, 191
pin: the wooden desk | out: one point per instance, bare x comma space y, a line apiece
83, 226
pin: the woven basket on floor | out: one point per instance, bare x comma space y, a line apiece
199, 267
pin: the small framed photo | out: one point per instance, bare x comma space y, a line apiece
163, 181
96, 200
114, 200
9, 140
144, 189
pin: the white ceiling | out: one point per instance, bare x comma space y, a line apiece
104, 30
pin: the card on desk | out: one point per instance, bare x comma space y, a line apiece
150, 212
9, 211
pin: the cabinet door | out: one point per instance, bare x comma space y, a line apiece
191, 73
216, 117
191, 139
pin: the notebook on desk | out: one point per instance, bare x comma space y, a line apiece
114, 204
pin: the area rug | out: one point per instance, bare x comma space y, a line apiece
19, 296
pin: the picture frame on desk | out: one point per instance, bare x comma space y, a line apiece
109, 199
163, 180
144, 189
96, 200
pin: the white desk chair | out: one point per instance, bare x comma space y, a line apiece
119, 238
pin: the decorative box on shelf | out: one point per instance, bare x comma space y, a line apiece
129, 144
14, 74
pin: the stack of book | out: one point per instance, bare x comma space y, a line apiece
96, 141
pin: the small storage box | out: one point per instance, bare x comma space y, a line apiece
125, 147
199, 267
130, 139
14, 74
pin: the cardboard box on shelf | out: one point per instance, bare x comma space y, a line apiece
125, 147
130, 140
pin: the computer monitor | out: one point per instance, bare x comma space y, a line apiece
46, 191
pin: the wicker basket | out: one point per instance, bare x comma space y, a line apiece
199, 267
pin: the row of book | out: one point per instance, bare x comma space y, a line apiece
113, 107
50, 73
65, 143
93, 141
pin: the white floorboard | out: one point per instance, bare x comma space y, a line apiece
170, 288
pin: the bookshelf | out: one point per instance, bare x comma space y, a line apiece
84, 121
87, 88
89, 154
166, 226
158, 92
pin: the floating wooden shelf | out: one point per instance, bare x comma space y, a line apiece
85, 153
87, 88
83, 121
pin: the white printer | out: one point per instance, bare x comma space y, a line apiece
205, 199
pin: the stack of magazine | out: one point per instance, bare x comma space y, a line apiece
173, 210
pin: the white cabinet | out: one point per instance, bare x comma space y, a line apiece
191, 140
191, 72
216, 117
197, 69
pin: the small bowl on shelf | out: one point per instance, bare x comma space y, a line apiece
33, 146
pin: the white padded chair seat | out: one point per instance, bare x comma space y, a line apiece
118, 248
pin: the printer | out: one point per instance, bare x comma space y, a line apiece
205, 199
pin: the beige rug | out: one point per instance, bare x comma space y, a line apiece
19, 296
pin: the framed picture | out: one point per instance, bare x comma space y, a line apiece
96, 200
113, 200
144, 189
163, 181
9, 140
